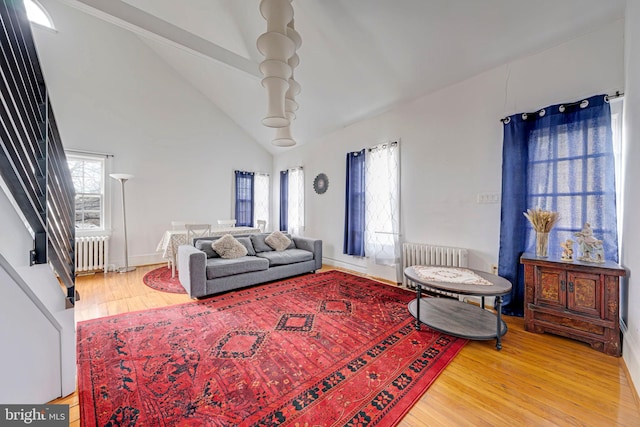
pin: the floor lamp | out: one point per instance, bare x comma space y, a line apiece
124, 177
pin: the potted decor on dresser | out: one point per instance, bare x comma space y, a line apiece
542, 222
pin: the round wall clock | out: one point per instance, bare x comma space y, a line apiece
321, 183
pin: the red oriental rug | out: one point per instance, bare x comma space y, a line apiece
160, 279
322, 349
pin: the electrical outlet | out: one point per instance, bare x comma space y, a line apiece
494, 269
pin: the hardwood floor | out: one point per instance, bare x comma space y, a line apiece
535, 380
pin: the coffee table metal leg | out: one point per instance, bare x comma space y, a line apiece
419, 295
499, 326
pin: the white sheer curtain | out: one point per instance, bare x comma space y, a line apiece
261, 198
382, 204
296, 201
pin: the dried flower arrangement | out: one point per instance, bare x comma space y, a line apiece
541, 220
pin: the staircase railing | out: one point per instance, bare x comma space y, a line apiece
32, 160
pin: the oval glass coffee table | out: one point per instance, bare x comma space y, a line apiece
454, 317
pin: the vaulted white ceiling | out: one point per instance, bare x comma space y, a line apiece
358, 57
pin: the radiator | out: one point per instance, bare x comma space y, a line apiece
423, 254
92, 253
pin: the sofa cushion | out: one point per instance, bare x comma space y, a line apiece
259, 244
220, 267
277, 241
205, 246
246, 242
229, 248
288, 256
292, 245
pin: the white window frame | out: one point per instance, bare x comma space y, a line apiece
262, 199
382, 204
296, 203
105, 195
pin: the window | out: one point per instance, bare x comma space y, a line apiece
372, 217
296, 201
382, 204
37, 14
87, 174
252, 198
571, 170
292, 200
244, 198
261, 203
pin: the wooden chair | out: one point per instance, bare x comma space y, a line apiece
197, 230
261, 224
175, 225
226, 223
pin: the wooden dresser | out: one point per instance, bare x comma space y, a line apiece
574, 299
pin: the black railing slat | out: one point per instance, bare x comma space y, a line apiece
13, 121
32, 159
22, 75
64, 177
24, 172
65, 198
30, 128
23, 192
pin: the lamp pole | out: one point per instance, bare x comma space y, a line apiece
124, 177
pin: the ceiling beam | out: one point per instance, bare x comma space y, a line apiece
140, 22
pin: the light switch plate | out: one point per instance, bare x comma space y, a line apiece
484, 198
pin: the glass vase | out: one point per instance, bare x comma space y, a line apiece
542, 244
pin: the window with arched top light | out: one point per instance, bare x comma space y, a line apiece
37, 14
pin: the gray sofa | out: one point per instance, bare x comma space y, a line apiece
202, 272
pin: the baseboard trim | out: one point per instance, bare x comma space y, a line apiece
358, 273
631, 360
346, 265
137, 261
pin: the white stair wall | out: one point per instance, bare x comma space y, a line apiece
36, 331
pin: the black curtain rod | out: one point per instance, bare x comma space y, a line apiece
618, 94
391, 144
87, 153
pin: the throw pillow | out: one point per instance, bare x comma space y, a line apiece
228, 247
205, 246
258, 243
277, 241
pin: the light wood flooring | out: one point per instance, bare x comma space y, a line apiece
535, 380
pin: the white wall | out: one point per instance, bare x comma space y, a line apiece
451, 147
631, 226
40, 359
111, 93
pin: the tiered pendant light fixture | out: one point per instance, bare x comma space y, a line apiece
279, 45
